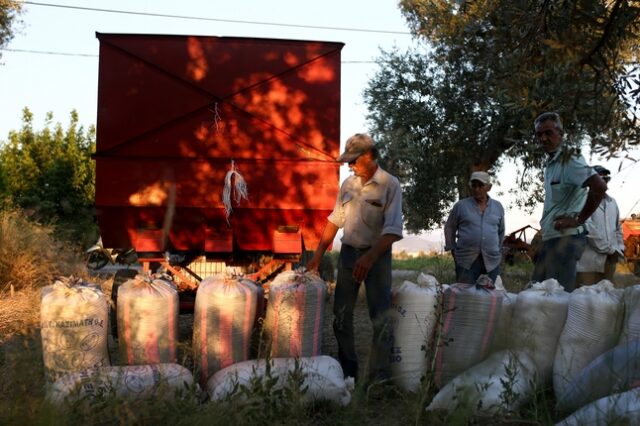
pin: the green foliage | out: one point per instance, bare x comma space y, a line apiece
49, 173
9, 12
466, 99
423, 263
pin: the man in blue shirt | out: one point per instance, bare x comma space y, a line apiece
573, 191
474, 232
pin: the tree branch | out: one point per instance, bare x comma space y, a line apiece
605, 34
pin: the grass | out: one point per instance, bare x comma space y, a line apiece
30, 257
29, 254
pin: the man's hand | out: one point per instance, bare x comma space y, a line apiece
565, 222
363, 266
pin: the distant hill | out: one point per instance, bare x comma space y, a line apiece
411, 243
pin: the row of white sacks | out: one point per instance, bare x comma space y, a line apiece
322, 380
475, 322
493, 348
74, 323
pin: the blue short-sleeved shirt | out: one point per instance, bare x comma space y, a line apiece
366, 212
564, 191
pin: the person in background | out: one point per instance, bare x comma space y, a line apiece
605, 245
572, 192
474, 232
369, 210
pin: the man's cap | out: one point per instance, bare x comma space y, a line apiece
480, 176
357, 145
601, 171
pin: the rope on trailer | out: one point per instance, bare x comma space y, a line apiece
238, 187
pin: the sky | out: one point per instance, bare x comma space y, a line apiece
68, 79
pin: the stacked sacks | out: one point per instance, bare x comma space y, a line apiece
322, 377
413, 316
498, 385
224, 316
538, 318
592, 328
147, 320
620, 408
295, 314
631, 324
74, 321
132, 383
615, 371
468, 327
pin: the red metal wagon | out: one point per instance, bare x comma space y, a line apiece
176, 114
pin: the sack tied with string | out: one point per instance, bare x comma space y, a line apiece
295, 314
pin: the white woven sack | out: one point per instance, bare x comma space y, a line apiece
224, 316
323, 378
468, 326
617, 409
593, 325
413, 318
147, 320
131, 382
295, 314
498, 284
498, 385
631, 322
539, 316
615, 371
502, 338
74, 322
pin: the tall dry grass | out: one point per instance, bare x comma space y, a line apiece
30, 257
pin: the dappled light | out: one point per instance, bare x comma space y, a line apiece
155, 195
197, 68
269, 106
321, 71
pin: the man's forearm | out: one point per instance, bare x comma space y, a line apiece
590, 206
597, 190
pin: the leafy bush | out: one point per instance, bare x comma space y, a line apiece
50, 174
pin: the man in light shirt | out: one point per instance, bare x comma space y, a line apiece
369, 210
572, 192
605, 246
474, 232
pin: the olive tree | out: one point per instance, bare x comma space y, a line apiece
466, 97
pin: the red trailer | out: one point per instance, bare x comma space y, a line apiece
631, 236
178, 114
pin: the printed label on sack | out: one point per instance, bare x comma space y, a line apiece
87, 322
402, 311
396, 354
